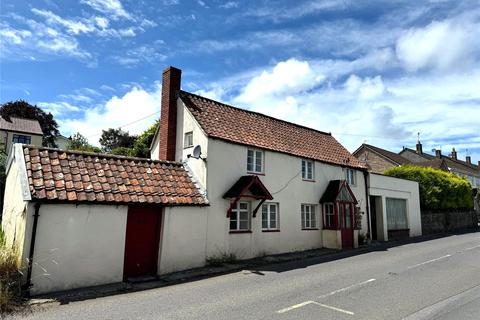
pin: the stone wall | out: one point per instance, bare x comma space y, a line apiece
440, 221
376, 163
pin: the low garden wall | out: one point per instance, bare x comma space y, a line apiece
440, 221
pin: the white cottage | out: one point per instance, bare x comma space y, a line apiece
275, 186
226, 181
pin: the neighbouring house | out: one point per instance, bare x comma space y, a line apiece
19, 130
378, 160
462, 168
223, 181
62, 142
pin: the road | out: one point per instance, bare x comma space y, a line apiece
438, 278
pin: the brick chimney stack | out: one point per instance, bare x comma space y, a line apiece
454, 154
468, 159
171, 81
438, 153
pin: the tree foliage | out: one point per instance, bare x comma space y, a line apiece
23, 109
141, 147
80, 143
438, 189
116, 138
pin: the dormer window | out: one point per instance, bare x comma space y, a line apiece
255, 161
188, 140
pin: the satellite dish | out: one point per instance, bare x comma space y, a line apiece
197, 152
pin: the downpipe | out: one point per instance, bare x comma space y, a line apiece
36, 215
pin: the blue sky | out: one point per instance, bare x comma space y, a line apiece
374, 71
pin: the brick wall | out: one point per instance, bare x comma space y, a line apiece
376, 163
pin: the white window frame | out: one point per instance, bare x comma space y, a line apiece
235, 214
252, 167
188, 139
305, 173
268, 206
351, 176
309, 217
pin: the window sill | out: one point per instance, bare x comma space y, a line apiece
308, 229
184, 148
276, 230
240, 231
308, 180
256, 173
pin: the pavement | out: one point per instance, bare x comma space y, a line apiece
435, 278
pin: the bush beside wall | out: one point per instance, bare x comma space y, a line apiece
10, 278
438, 189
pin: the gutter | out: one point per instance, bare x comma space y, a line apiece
367, 207
28, 285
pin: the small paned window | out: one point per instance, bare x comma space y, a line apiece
329, 214
270, 216
254, 161
309, 219
188, 140
18, 138
240, 217
350, 176
307, 170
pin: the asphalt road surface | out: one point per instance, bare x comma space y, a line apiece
435, 279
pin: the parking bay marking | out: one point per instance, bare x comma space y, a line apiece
305, 303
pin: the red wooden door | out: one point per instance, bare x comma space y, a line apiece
345, 214
142, 241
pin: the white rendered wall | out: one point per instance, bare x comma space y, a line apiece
390, 187
78, 246
227, 163
183, 240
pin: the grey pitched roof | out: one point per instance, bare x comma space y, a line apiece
21, 125
392, 156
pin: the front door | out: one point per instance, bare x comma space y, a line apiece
345, 216
141, 241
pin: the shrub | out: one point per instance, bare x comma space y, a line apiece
10, 279
438, 189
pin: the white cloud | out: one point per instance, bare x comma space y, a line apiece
113, 8
229, 5
117, 112
58, 108
151, 53
442, 45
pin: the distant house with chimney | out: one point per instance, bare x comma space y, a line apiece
378, 160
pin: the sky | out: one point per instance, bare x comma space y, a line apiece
376, 72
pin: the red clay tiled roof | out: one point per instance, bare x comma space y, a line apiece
21, 125
55, 174
241, 126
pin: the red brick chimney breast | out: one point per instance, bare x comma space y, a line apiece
171, 81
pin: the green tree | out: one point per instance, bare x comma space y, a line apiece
80, 143
438, 189
23, 109
141, 147
116, 138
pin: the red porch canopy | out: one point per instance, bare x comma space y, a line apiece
247, 187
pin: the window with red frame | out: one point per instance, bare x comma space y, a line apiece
329, 216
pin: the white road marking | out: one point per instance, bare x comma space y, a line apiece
471, 248
295, 306
346, 288
333, 308
429, 261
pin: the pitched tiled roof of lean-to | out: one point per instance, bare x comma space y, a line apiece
245, 127
59, 175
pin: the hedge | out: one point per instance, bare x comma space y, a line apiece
438, 189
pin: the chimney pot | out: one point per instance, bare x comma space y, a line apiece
438, 153
468, 159
454, 154
419, 148
171, 81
